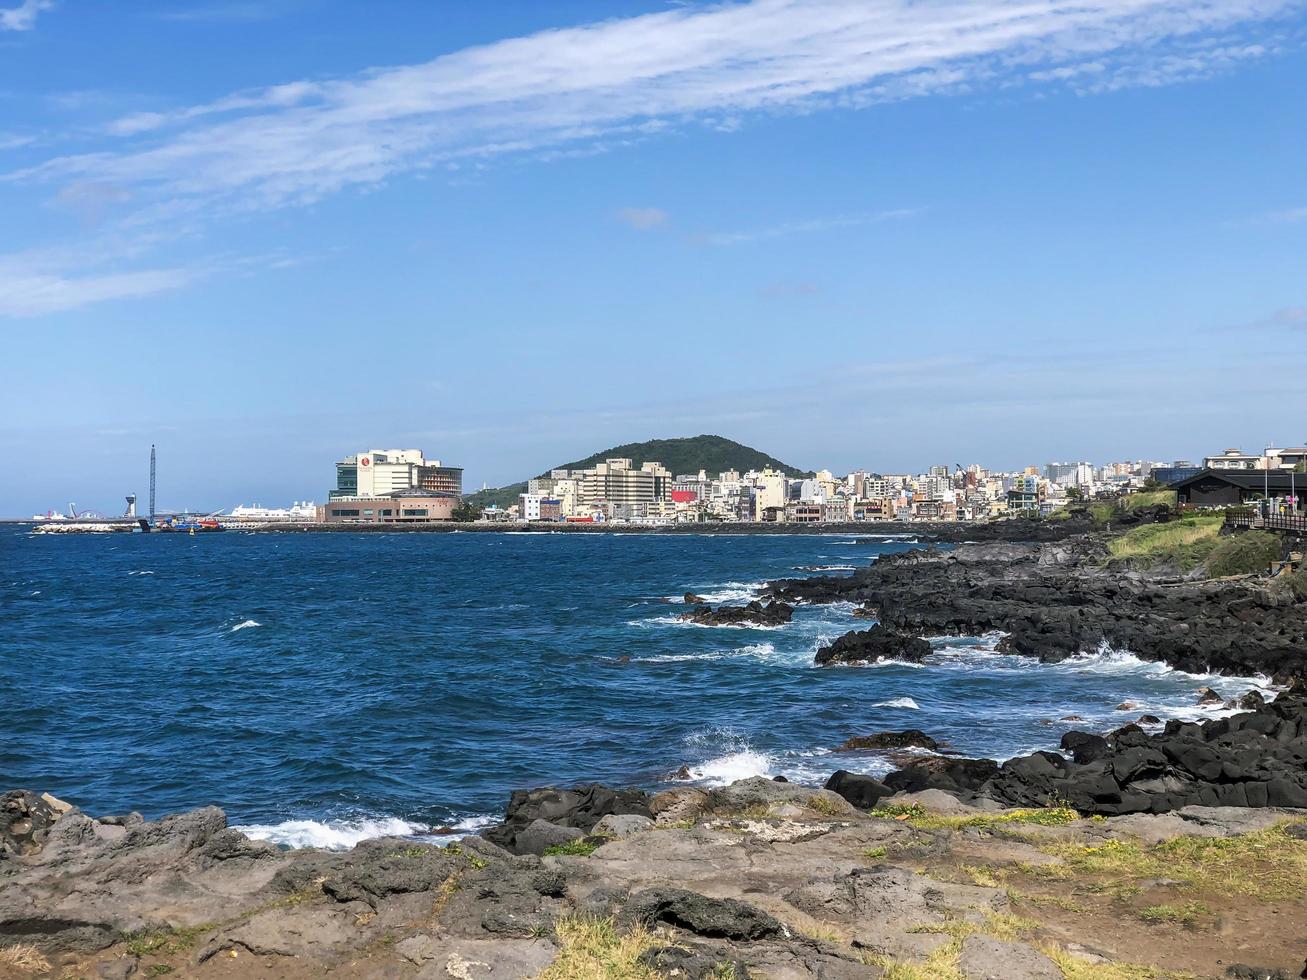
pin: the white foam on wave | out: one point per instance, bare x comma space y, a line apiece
678, 621
147, 572
1109, 660
730, 591
341, 835
760, 651
730, 756
247, 624
898, 703
331, 835
726, 769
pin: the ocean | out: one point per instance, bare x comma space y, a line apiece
323, 688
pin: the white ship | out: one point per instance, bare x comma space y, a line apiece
301, 510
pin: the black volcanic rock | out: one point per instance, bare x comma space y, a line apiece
869, 646
774, 613
1254, 759
1064, 598
862, 791
25, 821
580, 807
910, 738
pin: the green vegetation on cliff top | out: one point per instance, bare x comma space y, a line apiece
686, 455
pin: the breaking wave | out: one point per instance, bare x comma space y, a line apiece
247, 624
341, 835
898, 703
332, 835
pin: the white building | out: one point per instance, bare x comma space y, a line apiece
380, 472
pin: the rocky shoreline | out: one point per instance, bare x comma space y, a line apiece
1054, 600
1155, 850
761, 878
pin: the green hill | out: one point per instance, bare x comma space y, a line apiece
689, 455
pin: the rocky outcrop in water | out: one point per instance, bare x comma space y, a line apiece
872, 646
773, 613
1252, 759
910, 738
1057, 600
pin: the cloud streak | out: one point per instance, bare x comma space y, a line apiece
23, 17
590, 89
301, 141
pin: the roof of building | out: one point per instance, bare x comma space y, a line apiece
417, 492
1248, 479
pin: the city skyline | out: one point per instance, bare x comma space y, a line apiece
840, 232
315, 487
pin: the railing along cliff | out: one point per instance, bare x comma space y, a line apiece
1272, 522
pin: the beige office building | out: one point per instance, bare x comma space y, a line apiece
617, 482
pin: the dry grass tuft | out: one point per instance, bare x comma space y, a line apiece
24, 959
1076, 968
919, 817
592, 949
1267, 864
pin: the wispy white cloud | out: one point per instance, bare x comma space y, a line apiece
23, 17
1288, 215
806, 227
715, 65
592, 89
642, 219
27, 291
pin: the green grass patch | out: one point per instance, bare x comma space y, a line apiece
1269, 864
1107, 511
1243, 554
573, 848
917, 816
472, 859
1297, 583
825, 805
1187, 914
1188, 542
875, 853
165, 942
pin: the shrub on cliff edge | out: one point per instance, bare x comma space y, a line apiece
1242, 554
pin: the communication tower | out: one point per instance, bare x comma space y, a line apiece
151, 481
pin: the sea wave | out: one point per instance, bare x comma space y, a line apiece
761, 651
898, 703
331, 835
247, 624
678, 621
726, 769
341, 835
726, 755
729, 592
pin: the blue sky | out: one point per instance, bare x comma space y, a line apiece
853, 234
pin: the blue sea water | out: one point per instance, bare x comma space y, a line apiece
326, 687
